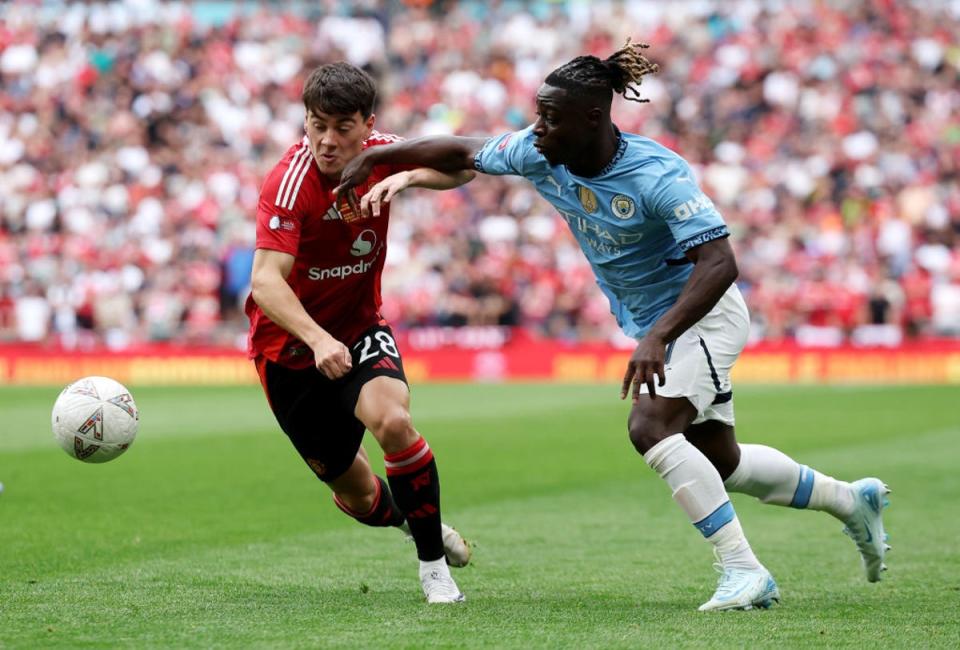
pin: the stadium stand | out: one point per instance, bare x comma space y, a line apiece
134, 135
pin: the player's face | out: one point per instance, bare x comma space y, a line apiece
558, 132
336, 139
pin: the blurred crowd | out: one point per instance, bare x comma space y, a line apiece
134, 136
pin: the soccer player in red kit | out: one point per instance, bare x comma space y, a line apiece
328, 362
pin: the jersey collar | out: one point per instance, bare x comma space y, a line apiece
621, 149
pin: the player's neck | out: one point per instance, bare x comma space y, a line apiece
595, 159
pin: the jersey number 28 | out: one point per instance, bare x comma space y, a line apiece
379, 342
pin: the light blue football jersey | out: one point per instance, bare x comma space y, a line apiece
633, 220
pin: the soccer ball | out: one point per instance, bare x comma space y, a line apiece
95, 420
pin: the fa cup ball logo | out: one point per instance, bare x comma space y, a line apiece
364, 243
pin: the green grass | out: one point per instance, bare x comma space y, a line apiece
210, 532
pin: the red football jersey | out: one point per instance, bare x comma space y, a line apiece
339, 254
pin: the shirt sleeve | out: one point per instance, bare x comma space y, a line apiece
279, 222
687, 211
510, 154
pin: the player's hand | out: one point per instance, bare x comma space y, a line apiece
382, 192
332, 358
354, 175
645, 363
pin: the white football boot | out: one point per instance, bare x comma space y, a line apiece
438, 585
742, 589
455, 548
865, 525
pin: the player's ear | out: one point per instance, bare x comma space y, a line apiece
595, 116
369, 122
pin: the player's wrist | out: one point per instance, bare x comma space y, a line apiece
410, 176
658, 336
318, 340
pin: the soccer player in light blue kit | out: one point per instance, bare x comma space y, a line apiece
661, 254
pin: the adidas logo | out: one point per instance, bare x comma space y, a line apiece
386, 363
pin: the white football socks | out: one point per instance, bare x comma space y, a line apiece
697, 489
773, 477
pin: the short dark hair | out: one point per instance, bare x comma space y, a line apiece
339, 89
620, 73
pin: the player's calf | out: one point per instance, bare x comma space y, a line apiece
415, 484
773, 477
382, 512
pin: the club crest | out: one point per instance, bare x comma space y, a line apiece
623, 206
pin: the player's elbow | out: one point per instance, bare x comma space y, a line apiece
260, 286
257, 293
719, 260
730, 271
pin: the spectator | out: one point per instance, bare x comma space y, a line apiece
134, 136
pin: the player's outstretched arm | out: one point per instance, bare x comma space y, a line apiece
715, 269
278, 301
431, 179
446, 153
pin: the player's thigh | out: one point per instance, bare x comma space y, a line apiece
699, 362
688, 388
376, 389
722, 335
384, 407
307, 407
717, 441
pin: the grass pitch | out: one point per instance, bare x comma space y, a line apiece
210, 532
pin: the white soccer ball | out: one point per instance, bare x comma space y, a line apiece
95, 419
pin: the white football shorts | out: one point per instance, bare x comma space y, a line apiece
698, 363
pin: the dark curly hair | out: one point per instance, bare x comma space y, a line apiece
621, 73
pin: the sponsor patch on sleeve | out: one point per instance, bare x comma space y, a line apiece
281, 223
702, 238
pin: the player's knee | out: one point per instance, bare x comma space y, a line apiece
644, 432
395, 430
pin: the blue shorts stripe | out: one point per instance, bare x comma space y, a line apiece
723, 398
716, 519
801, 497
669, 353
713, 371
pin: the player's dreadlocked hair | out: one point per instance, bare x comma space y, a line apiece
621, 73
